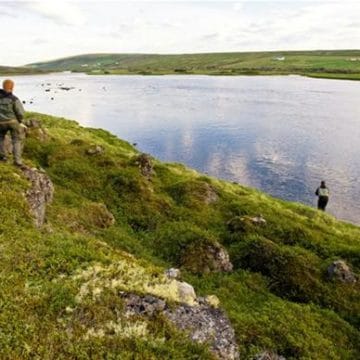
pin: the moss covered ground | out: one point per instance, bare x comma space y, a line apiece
59, 284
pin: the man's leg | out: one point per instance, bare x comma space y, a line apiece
17, 137
3, 131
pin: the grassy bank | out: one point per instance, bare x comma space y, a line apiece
8, 71
340, 64
278, 296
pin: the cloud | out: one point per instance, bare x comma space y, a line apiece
210, 36
63, 13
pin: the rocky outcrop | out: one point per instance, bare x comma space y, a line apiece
340, 270
145, 165
268, 355
40, 193
203, 323
205, 258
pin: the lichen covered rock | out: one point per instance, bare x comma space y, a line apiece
145, 165
40, 193
340, 270
202, 323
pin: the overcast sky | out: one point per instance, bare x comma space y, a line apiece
34, 31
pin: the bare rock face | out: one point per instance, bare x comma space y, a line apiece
205, 258
268, 355
341, 271
40, 193
145, 165
203, 323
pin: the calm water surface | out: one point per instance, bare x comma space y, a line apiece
282, 134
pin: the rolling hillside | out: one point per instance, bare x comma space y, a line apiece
332, 64
87, 281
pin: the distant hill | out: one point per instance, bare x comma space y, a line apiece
335, 63
11, 70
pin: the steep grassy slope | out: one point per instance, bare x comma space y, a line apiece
278, 295
332, 64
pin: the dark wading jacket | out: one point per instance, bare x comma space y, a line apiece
10, 107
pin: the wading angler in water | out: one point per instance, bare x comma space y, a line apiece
323, 193
11, 116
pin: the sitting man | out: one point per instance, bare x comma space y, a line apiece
11, 116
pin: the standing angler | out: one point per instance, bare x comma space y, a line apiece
11, 116
323, 193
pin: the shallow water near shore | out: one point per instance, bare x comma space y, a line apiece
281, 134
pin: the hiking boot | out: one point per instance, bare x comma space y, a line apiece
3, 158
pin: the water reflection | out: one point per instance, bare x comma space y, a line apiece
280, 134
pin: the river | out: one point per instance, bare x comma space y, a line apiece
281, 134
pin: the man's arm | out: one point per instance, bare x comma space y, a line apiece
19, 110
317, 192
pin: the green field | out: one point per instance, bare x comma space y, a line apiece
9, 70
341, 64
278, 295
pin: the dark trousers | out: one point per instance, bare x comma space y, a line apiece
322, 202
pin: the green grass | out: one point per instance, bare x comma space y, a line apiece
337, 64
278, 297
10, 70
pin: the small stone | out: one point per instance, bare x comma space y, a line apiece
172, 273
95, 150
258, 220
212, 300
186, 293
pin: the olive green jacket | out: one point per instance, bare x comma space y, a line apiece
10, 107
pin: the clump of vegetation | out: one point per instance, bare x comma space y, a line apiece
111, 229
